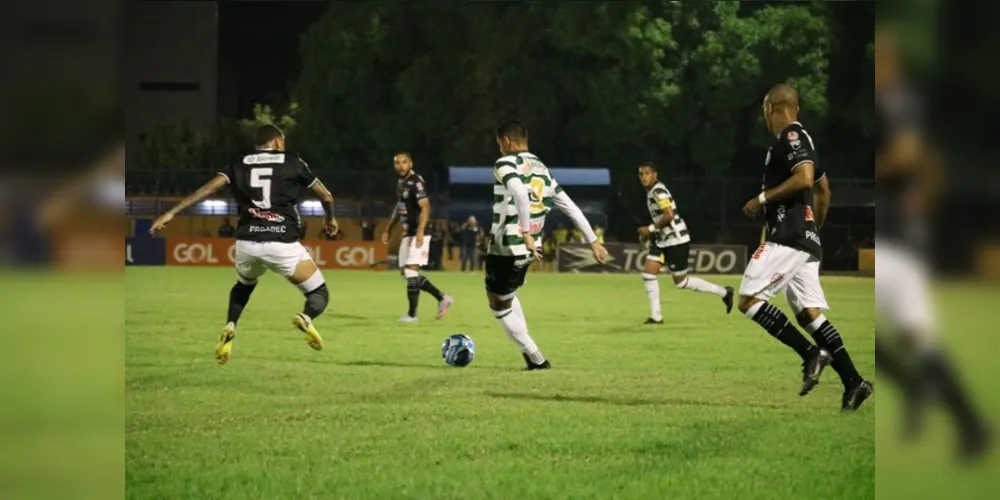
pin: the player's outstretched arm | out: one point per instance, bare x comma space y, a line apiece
326, 198
208, 189
566, 205
821, 200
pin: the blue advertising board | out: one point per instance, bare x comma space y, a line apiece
145, 251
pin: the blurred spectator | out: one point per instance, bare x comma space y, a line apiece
469, 240
367, 230
226, 230
599, 231
548, 254
437, 236
484, 242
454, 238
561, 234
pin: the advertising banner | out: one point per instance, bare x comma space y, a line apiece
327, 254
631, 258
145, 252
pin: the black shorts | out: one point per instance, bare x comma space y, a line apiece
504, 275
675, 257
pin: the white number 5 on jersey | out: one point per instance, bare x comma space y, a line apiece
260, 178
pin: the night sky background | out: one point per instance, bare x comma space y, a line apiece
244, 46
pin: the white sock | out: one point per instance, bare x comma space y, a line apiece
700, 285
516, 306
653, 294
517, 330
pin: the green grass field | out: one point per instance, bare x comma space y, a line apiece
705, 406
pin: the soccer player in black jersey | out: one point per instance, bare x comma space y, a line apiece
267, 184
788, 260
413, 211
905, 178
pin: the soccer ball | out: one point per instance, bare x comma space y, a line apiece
458, 350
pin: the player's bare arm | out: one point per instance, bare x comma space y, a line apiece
821, 200
326, 199
425, 216
907, 154
208, 189
392, 223
801, 179
904, 152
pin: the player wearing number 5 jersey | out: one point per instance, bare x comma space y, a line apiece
670, 243
518, 216
267, 184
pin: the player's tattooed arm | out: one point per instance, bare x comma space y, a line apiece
821, 200
326, 199
208, 189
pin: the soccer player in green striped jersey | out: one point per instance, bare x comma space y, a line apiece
512, 235
669, 242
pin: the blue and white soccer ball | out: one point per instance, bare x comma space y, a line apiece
458, 350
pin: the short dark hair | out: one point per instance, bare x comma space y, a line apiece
650, 165
267, 133
513, 130
401, 152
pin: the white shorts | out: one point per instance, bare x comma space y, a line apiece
777, 268
254, 259
412, 255
902, 290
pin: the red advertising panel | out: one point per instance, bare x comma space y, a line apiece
327, 254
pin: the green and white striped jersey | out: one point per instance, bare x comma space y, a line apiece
505, 231
657, 199
542, 190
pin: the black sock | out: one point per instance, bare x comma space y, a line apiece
942, 377
316, 301
827, 337
238, 298
413, 294
425, 285
777, 324
888, 362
